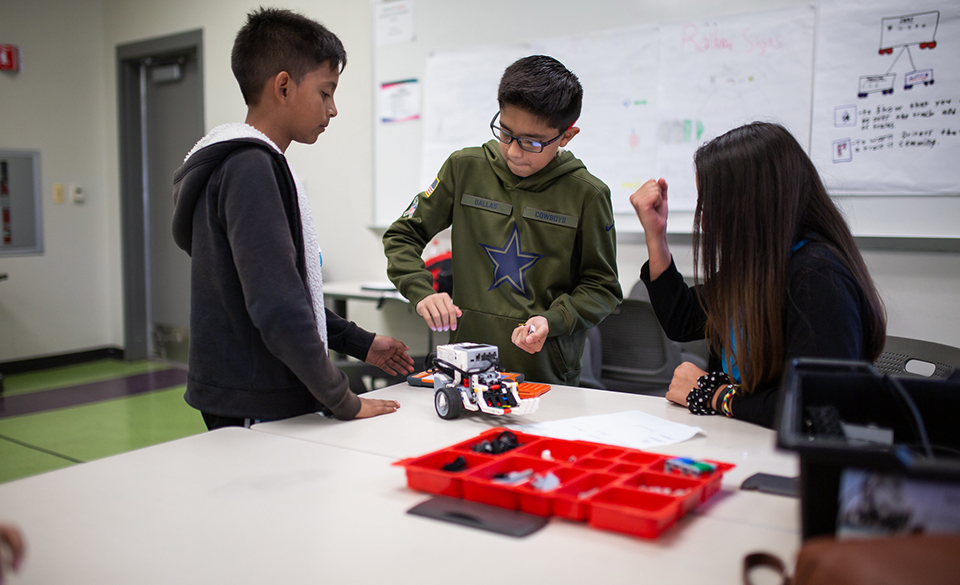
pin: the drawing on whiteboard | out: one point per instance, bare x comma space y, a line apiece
842, 151
681, 131
900, 32
844, 116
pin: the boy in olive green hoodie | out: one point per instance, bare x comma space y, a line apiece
533, 238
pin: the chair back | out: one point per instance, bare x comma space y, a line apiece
915, 358
636, 355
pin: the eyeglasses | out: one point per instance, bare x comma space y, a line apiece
528, 144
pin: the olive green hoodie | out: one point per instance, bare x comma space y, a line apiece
522, 246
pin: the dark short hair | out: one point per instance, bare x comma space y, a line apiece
276, 40
542, 86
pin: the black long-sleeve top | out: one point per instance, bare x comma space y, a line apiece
824, 316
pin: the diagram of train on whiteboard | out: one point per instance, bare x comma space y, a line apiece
900, 32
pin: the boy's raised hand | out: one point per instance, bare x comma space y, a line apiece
370, 407
390, 355
531, 342
439, 312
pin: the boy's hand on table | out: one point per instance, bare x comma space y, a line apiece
531, 342
390, 355
439, 312
370, 407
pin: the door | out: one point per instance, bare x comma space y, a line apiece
161, 115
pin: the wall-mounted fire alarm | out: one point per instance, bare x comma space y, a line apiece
10, 58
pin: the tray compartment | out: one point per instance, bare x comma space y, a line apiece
593, 464
608, 453
685, 489
567, 452
640, 458
540, 503
633, 512
480, 486
572, 501
427, 474
523, 439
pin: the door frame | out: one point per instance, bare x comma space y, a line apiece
133, 191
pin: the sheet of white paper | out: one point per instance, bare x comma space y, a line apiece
633, 428
393, 21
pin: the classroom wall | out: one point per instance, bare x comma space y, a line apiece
64, 104
66, 298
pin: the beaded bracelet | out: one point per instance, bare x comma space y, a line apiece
725, 399
699, 399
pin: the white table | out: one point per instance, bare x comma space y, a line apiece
416, 429
322, 503
237, 506
343, 291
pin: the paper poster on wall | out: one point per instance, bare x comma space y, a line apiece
399, 101
886, 95
718, 74
393, 21
618, 72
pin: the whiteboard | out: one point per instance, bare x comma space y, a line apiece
887, 97
407, 155
718, 74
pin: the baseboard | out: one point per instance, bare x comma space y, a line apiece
60, 360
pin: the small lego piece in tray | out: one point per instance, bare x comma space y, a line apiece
687, 466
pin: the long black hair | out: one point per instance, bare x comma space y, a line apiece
759, 193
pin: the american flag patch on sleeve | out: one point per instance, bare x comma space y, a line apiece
432, 186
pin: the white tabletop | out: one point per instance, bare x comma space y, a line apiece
416, 429
237, 506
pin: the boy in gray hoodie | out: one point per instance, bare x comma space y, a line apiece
259, 331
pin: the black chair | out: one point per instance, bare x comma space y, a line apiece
695, 352
629, 351
592, 362
915, 358
636, 355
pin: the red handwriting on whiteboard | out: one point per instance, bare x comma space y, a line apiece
708, 41
761, 45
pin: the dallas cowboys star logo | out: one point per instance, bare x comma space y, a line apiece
509, 263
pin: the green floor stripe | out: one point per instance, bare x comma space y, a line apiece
107, 428
76, 375
41, 449
19, 462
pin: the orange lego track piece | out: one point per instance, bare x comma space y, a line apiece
532, 389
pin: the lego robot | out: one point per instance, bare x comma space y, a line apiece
468, 377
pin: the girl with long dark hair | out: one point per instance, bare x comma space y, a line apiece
779, 274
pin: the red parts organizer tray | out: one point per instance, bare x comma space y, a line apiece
613, 488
